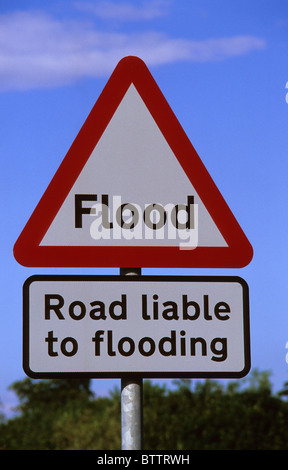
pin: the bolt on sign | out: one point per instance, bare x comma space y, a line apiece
132, 191
156, 326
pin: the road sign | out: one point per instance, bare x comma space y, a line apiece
155, 326
132, 191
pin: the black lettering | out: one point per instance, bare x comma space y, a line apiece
72, 308
98, 338
110, 349
190, 214
50, 340
134, 214
186, 304
80, 210
162, 216
170, 341
219, 309
121, 349
152, 347
207, 316
145, 315
74, 348
193, 342
105, 212
220, 354
123, 308
183, 343
99, 312
155, 307
53, 307
170, 313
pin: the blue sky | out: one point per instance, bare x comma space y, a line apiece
222, 67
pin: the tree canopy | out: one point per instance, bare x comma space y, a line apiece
192, 415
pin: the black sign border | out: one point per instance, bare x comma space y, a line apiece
136, 374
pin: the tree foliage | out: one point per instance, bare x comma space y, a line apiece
203, 415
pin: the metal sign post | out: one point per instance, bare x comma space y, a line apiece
131, 413
131, 400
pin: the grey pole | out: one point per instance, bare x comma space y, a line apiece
131, 414
131, 400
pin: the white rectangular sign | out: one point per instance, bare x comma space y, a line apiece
153, 326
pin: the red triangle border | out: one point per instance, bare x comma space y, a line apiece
27, 251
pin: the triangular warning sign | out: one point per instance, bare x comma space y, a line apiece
132, 191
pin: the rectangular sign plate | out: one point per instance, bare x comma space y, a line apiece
153, 326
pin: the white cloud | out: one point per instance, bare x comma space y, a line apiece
38, 51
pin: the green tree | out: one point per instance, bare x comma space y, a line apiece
41, 404
201, 415
97, 427
284, 392
211, 417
